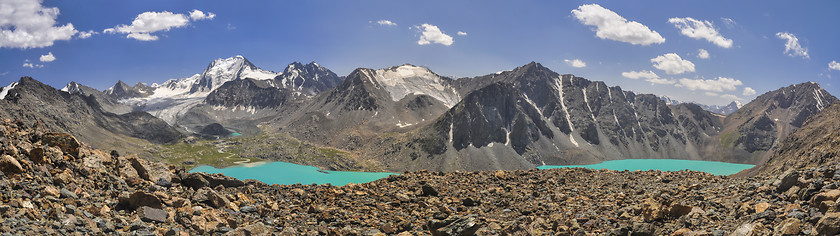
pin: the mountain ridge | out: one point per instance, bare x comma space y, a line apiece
525, 117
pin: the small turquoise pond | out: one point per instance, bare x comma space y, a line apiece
234, 134
288, 173
712, 167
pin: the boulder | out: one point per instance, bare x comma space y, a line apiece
761, 207
677, 210
51, 191
653, 210
150, 214
194, 180
750, 229
454, 225
9, 164
428, 190
223, 180
66, 142
210, 197
63, 178
150, 171
37, 155
67, 194
829, 224
790, 226
831, 195
786, 180
139, 199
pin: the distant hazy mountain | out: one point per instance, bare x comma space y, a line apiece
723, 110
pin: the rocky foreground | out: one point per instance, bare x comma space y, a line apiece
52, 184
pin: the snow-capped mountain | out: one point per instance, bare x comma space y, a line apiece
174, 98
73, 88
397, 98
723, 110
223, 70
309, 79
407, 79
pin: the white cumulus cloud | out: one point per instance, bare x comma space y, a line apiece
432, 34
748, 91
672, 64
195, 14
142, 36
30, 65
47, 58
719, 84
147, 23
576, 63
700, 30
702, 54
792, 46
645, 74
834, 65
462, 33
86, 34
610, 25
27, 24
386, 23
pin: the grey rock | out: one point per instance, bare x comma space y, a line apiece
67, 194
149, 214
454, 225
248, 209
194, 180
210, 197
786, 180
428, 190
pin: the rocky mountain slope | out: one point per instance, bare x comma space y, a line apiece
369, 103
814, 145
767, 120
52, 184
107, 102
527, 117
83, 117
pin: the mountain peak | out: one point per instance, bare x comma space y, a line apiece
72, 88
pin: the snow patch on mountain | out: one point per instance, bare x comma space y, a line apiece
72, 88
5, 90
401, 81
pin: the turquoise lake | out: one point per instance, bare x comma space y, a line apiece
288, 173
712, 167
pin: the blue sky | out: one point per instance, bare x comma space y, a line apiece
746, 41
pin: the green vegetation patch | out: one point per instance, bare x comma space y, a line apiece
264, 147
727, 139
199, 153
